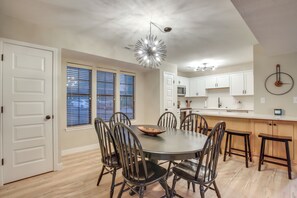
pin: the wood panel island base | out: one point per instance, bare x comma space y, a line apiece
257, 126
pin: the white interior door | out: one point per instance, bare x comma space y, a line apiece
169, 94
27, 102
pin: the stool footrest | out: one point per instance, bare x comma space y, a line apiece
272, 162
273, 157
237, 149
236, 154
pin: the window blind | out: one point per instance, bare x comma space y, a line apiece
79, 90
105, 94
127, 95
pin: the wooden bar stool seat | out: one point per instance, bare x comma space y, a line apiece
277, 138
247, 145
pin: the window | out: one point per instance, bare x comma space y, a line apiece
78, 96
127, 95
105, 94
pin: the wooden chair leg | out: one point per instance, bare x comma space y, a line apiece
141, 192
114, 173
246, 152
193, 185
216, 189
101, 174
122, 189
263, 152
230, 144
249, 147
202, 191
226, 146
288, 160
189, 183
260, 156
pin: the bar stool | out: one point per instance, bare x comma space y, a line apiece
284, 139
247, 146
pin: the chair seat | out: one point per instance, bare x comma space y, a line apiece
236, 132
112, 160
187, 170
155, 172
275, 137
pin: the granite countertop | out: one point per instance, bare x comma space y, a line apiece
250, 115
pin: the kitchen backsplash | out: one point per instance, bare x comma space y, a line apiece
227, 101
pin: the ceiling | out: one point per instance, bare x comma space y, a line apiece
273, 22
209, 31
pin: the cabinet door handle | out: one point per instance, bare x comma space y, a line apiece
197, 94
274, 124
269, 124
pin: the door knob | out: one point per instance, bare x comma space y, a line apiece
166, 109
48, 117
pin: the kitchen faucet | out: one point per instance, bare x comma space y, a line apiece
219, 102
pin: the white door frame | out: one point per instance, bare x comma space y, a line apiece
56, 69
162, 110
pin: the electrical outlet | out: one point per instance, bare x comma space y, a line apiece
295, 99
262, 100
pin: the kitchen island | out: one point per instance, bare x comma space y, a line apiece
258, 123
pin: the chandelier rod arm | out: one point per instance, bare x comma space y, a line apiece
156, 27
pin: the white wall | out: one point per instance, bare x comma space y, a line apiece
264, 65
60, 38
149, 92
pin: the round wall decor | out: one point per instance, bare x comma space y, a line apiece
279, 83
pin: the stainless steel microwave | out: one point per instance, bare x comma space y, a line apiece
181, 90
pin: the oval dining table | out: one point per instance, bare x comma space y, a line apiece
173, 144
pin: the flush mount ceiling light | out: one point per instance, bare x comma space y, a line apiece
205, 67
149, 52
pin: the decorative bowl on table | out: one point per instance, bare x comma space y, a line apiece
151, 130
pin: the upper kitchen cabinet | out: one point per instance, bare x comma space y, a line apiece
197, 87
183, 82
214, 82
242, 83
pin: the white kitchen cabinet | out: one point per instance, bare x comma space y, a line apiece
242, 84
183, 81
197, 87
213, 82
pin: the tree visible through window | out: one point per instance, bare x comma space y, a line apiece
78, 96
127, 95
105, 94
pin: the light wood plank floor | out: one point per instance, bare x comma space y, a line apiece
80, 173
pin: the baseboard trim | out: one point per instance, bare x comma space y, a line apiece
59, 167
79, 149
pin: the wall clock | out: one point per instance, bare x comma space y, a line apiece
279, 83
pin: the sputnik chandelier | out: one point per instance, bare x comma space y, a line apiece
205, 67
149, 52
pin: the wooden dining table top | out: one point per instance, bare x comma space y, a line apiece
173, 144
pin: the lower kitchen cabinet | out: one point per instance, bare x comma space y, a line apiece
256, 126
